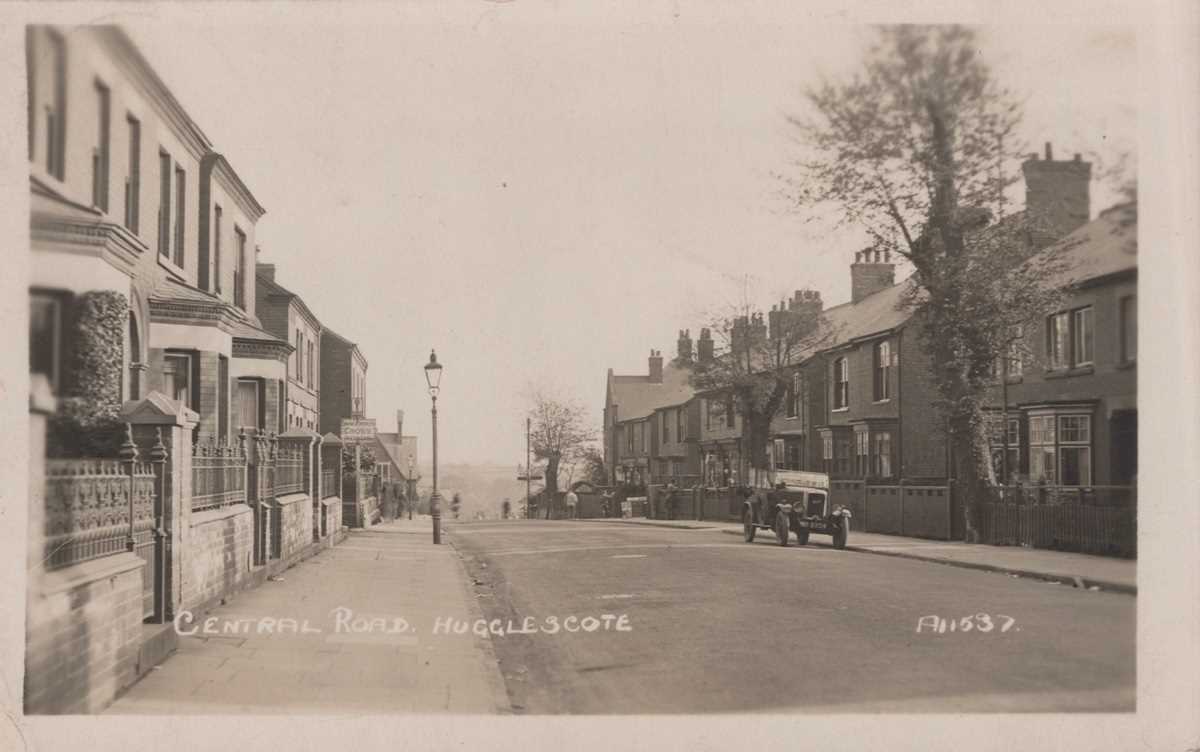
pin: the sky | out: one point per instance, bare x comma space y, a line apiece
542, 196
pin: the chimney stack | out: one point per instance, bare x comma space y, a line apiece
871, 272
399, 422
684, 346
1057, 198
656, 367
266, 271
704, 346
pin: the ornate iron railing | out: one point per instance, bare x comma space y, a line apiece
88, 508
289, 468
218, 475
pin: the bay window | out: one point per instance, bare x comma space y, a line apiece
250, 408
862, 453
1060, 448
1002, 432
881, 454
177, 378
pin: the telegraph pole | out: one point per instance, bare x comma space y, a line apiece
528, 470
528, 476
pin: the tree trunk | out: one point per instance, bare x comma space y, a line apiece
758, 433
551, 483
970, 471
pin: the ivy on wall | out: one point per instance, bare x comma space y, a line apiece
87, 422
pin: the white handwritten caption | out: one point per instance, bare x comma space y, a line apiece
972, 623
345, 621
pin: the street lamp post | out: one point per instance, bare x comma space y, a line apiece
433, 377
412, 487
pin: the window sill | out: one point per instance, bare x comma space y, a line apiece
840, 409
883, 401
1063, 373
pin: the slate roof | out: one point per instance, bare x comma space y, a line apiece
397, 448
638, 397
1107, 245
273, 288
168, 288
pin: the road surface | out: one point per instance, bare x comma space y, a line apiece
696, 621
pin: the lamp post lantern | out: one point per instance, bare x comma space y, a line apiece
433, 377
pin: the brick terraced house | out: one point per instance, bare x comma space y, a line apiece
631, 428
144, 322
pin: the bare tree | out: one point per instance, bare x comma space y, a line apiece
915, 148
559, 434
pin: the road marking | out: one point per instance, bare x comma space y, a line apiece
628, 556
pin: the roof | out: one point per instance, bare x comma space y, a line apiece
170, 289
1105, 246
347, 344
273, 288
876, 313
127, 52
246, 330
638, 397
398, 449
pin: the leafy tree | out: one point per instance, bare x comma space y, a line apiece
917, 148
594, 470
753, 360
559, 434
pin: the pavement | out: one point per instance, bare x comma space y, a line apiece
582, 617
361, 639
716, 625
1078, 570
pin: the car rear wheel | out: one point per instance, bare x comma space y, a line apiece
748, 528
781, 528
839, 535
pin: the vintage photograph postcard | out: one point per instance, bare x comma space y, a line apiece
645, 365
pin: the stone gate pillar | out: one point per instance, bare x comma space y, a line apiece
149, 417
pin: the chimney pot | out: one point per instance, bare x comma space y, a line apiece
1049, 153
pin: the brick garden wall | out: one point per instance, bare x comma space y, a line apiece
219, 554
296, 519
83, 631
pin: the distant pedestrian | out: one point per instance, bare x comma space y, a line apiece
671, 500
571, 500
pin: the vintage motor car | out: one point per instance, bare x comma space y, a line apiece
784, 501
